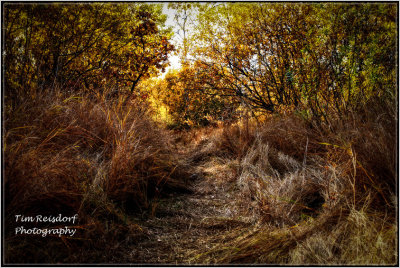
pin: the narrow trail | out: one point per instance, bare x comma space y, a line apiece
185, 226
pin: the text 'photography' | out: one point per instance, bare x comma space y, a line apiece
200, 133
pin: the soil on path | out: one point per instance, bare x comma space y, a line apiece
184, 227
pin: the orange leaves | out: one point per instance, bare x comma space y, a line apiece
82, 46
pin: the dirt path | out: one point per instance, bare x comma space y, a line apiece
185, 226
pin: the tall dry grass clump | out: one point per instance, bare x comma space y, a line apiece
91, 156
324, 197
229, 141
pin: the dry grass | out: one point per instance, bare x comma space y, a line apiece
310, 196
92, 156
359, 239
323, 198
229, 141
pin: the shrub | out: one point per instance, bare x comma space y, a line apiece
93, 157
322, 197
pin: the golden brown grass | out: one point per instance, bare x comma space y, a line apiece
320, 197
94, 157
323, 197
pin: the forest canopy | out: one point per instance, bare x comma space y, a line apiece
274, 141
319, 60
322, 60
82, 46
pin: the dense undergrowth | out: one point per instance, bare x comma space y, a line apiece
324, 197
297, 113
101, 159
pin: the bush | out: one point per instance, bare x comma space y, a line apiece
93, 157
322, 197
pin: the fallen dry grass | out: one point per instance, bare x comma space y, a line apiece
280, 192
322, 198
93, 157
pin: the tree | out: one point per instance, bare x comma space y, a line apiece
324, 59
81, 46
253, 51
189, 101
184, 20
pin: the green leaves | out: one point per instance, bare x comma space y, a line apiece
82, 46
327, 58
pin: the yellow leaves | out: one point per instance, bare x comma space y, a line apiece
81, 38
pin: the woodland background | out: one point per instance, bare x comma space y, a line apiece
297, 101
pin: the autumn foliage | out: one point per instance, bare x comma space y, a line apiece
322, 61
91, 47
296, 102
